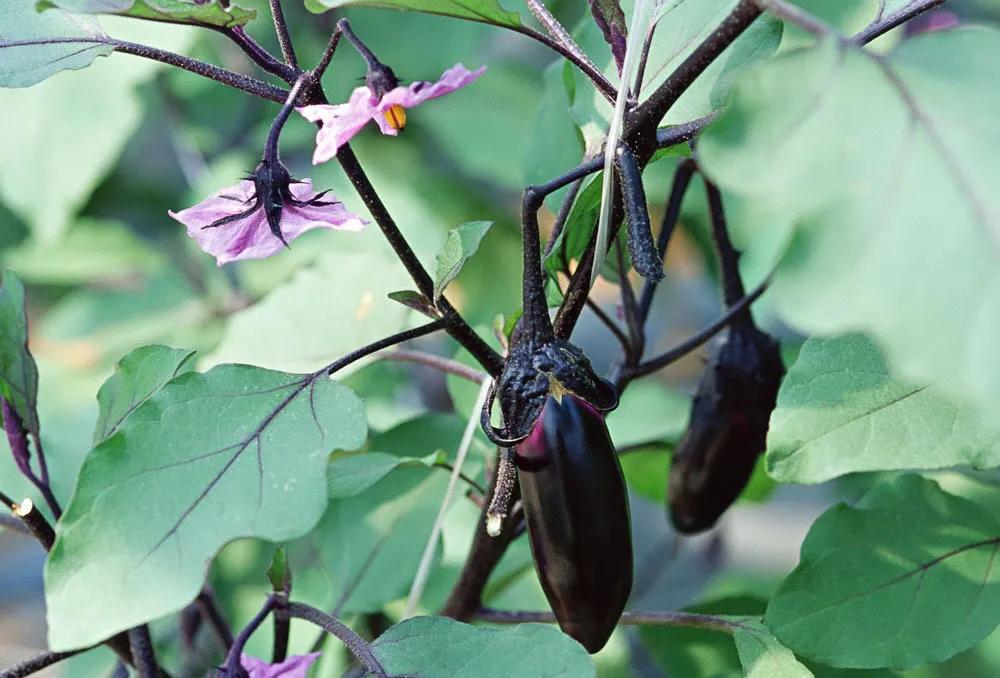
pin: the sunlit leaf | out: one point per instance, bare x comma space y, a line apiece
878, 199
906, 577
840, 410
235, 452
137, 376
461, 243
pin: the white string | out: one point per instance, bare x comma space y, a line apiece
424, 570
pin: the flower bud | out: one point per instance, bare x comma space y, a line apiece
728, 429
576, 507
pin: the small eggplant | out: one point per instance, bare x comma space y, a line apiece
576, 507
728, 429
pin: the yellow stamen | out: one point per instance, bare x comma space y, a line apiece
395, 115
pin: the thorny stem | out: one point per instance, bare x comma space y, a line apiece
324, 61
235, 80
281, 31
358, 646
455, 325
233, 658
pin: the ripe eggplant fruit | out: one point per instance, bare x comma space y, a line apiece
576, 507
728, 429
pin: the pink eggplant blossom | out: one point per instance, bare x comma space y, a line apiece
343, 121
256, 218
293, 667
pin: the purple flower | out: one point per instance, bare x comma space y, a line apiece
293, 667
262, 214
343, 121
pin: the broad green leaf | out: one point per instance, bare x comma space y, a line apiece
235, 452
34, 45
18, 373
840, 410
761, 655
438, 647
368, 546
352, 474
461, 243
92, 251
556, 144
210, 13
904, 578
646, 471
577, 230
324, 312
137, 376
485, 11
884, 215
64, 135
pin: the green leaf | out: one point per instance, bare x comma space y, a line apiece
762, 656
577, 230
368, 546
236, 452
18, 373
65, 135
485, 11
840, 410
211, 13
904, 578
461, 243
884, 217
34, 46
324, 312
137, 376
352, 474
423, 647
649, 412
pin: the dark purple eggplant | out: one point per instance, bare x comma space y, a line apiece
576, 507
728, 429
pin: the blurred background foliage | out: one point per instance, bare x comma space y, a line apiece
96, 158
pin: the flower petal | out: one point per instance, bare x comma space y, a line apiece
340, 122
293, 667
454, 78
250, 237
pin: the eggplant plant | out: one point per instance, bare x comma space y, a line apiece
318, 458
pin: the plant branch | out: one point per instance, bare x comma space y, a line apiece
281, 30
210, 611
260, 56
796, 16
688, 619
885, 24
696, 340
647, 116
39, 662
358, 646
455, 325
561, 36
226, 77
610, 324
141, 645
602, 84
331, 49
436, 362
729, 257
391, 340
233, 665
